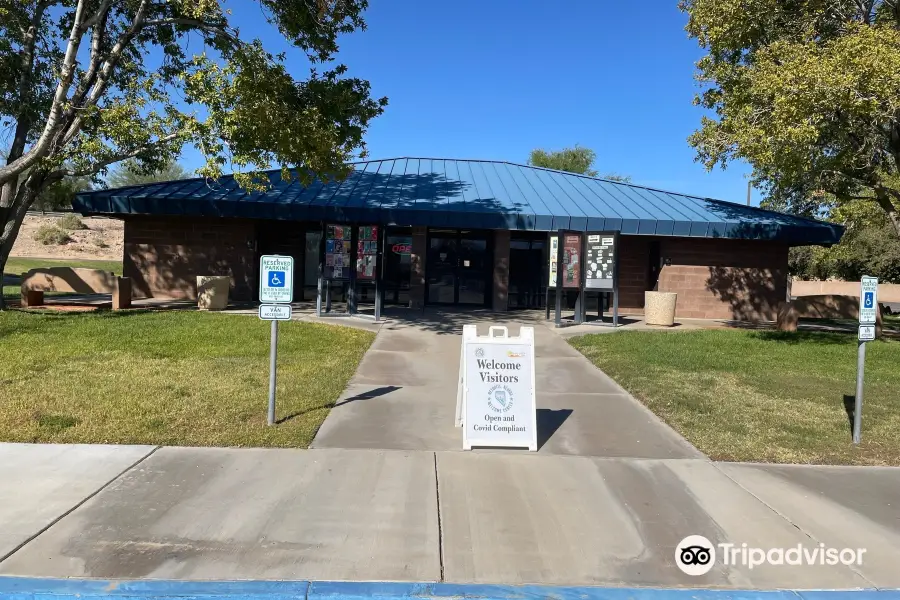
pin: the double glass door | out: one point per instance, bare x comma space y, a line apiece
458, 267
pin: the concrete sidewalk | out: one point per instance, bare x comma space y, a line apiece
403, 396
375, 515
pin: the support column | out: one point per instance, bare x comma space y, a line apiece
417, 267
501, 271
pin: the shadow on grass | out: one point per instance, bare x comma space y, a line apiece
804, 337
850, 408
377, 392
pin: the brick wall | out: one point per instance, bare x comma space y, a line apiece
500, 288
725, 279
164, 256
633, 263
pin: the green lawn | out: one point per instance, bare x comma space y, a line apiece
17, 266
760, 395
176, 378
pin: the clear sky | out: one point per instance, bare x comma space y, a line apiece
493, 79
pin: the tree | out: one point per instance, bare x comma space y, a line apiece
85, 84
807, 92
60, 194
574, 160
131, 172
869, 247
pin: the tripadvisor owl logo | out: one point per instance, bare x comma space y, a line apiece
500, 398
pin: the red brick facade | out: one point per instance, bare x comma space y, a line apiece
714, 278
163, 256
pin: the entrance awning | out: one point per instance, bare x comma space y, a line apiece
472, 194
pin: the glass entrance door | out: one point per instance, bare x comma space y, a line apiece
458, 268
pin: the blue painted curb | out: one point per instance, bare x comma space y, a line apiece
27, 588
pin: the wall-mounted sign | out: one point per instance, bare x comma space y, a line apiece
366, 252
571, 261
337, 252
600, 261
554, 251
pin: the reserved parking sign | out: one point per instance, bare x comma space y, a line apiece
276, 278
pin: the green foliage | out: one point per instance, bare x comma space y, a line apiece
869, 247
807, 92
59, 195
71, 222
89, 84
131, 172
50, 235
574, 160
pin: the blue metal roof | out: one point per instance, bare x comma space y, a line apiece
475, 194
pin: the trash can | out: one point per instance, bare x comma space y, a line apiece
659, 308
212, 292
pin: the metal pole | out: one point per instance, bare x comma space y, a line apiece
616, 307
273, 355
857, 410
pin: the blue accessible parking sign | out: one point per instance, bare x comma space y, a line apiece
277, 278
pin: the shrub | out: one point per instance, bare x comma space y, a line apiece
72, 222
50, 235
100, 243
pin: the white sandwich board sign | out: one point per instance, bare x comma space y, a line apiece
276, 278
496, 396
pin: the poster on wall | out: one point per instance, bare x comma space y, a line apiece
554, 250
571, 261
337, 252
600, 261
366, 251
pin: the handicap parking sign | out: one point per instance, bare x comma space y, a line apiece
277, 279
869, 301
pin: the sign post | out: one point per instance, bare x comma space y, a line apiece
601, 269
276, 291
868, 315
496, 396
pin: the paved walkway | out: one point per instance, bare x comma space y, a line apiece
403, 396
387, 515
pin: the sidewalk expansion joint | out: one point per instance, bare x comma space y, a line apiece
78, 504
440, 524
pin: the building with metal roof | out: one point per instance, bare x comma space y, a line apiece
468, 231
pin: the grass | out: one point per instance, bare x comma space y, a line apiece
16, 266
760, 395
174, 378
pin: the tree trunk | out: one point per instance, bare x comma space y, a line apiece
885, 198
11, 218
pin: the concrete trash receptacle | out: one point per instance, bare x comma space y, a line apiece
212, 292
659, 308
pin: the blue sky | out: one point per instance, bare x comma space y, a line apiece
493, 79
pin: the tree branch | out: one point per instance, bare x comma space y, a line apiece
67, 72
102, 78
99, 166
208, 27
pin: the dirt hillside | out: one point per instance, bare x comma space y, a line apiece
102, 240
